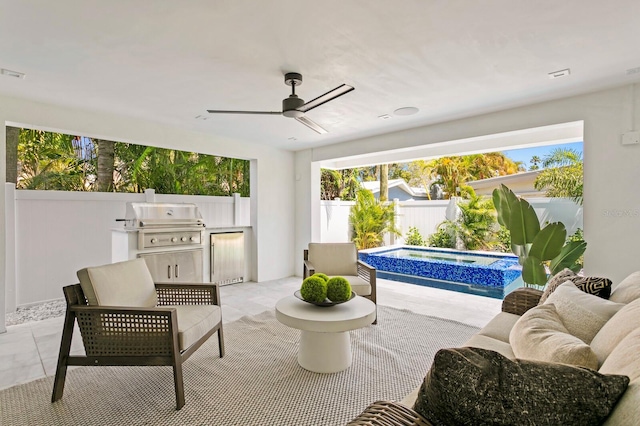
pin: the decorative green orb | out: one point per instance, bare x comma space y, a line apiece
314, 289
338, 289
325, 277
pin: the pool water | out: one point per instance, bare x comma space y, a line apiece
482, 273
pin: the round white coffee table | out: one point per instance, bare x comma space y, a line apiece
325, 345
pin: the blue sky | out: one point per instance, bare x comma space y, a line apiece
525, 154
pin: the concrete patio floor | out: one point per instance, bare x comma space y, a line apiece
29, 351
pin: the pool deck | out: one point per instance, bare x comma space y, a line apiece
29, 351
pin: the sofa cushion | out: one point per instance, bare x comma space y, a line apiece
539, 335
627, 290
470, 386
500, 326
616, 329
597, 286
555, 282
194, 321
625, 360
489, 343
334, 258
582, 314
127, 283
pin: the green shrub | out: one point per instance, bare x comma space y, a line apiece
414, 238
444, 237
338, 289
314, 289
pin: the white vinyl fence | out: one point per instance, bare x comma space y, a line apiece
52, 234
427, 215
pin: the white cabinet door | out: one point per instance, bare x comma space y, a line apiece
175, 266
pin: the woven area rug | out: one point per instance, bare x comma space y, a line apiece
258, 382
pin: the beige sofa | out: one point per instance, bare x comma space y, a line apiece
616, 344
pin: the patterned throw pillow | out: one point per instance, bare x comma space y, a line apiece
472, 386
597, 286
555, 282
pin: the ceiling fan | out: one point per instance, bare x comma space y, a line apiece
295, 107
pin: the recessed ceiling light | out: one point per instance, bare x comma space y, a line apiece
406, 111
384, 116
10, 73
561, 73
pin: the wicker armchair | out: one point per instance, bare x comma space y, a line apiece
341, 259
125, 319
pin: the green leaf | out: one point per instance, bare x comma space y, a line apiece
503, 197
533, 271
568, 256
524, 224
549, 241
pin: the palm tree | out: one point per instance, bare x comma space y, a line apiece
370, 220
563, 174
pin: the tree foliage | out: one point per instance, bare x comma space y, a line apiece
562, 175
49, 160
370, 220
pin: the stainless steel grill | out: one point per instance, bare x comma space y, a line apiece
164, 224
168, 236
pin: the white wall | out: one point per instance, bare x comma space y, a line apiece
273, 174
427, 215
611, 170
57, 233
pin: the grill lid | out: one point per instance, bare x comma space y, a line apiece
163, 215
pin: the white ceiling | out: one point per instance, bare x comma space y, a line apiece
169, 61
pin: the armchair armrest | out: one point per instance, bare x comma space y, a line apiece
188, 294
309, 269
366, 271
521, 300
124, 331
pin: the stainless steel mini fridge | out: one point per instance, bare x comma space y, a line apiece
227, 257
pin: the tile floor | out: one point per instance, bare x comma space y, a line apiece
29, 351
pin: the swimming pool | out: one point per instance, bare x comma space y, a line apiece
482, 273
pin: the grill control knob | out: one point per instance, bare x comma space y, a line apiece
183, 239
192, 238
154, 240
174, 239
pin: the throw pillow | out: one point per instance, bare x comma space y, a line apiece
582, 314
472, 386
539, 335
554, 282
597, 286
616, 329
627, 290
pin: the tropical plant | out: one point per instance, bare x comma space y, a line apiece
562, 175
445, 235
476, 224
414, 238
537, 248
341, 184
370, 220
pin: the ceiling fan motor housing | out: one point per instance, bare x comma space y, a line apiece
290, 106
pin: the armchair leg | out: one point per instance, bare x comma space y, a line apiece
63, 355
179, 384
220, 341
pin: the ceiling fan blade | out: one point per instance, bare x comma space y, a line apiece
329, 96
218, 111
311, 124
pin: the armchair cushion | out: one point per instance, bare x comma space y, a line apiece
627, 290
194, 321
360, 286
127, 283
334, 258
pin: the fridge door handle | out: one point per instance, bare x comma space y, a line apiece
213, 246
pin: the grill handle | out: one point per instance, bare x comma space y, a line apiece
169, 271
